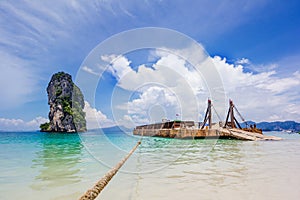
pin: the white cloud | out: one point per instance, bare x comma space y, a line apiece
37, 36
95, 118
172, 85
129, 121
118, 65
21, 125
262, 96
31, 29
234, 77
279, 85
169, 83
153, 95
108, 58
242, 61
89, 70
153, 104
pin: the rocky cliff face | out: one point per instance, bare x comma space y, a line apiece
66, 105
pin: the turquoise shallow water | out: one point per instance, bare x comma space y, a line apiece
36, 165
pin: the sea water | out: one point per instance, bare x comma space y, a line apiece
54, 166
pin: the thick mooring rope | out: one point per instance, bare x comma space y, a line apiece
100, 185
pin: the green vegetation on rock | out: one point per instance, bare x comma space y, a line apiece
45, 126
66, 105
58, 91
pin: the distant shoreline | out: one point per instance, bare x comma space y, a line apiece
283, 126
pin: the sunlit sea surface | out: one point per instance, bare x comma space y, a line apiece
36, 166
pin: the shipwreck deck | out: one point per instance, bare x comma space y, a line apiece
186, 133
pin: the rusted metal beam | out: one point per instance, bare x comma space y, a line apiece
208, 116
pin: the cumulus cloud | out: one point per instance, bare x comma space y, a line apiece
153, 95
21, 125
280, 85
119, 65
153, 104
95, 118
171, 84
35, 33
261, 96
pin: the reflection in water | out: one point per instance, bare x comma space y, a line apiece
56, 161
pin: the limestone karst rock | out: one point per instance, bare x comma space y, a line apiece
66, 105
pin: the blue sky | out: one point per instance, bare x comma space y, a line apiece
39, 38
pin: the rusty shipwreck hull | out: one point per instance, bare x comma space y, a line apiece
180, 133
185, 133
231, 128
